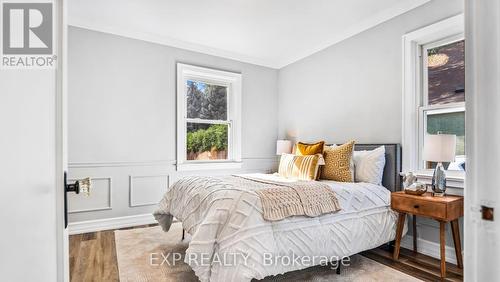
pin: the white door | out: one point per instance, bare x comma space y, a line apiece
33, 240
482, 242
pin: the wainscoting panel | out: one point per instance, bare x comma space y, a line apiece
137, 187
147, 189
99, 199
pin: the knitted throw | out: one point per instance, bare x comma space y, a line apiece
284, 199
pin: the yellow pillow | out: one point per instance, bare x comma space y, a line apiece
299, 167
337, 163
304, 149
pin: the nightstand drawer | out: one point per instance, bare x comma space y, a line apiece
419, 207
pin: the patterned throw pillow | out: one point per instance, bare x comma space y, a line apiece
298, 167
337, 163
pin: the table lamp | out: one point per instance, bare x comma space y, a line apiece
283, 147
439, 148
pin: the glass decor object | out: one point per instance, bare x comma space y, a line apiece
85, 186
439, 148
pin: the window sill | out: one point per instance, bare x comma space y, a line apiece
455, 179
193, 166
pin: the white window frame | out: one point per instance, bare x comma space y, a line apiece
414, 101
232, 80
426, 109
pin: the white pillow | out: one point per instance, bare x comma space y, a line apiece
369, 165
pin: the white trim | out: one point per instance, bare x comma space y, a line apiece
110, 223
370, 22
454, 178
120, 163
429, 248
60, 26
131, 189
144, 163
110, 196
411, 43
233, 82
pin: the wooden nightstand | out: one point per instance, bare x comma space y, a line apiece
443, 209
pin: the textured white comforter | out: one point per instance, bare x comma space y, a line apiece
232, 242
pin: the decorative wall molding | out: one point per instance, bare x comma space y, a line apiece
429, 248
110, 196
172, 162
109, 223
132, 202
135, 190
121, 163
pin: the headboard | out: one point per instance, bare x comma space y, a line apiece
391, 178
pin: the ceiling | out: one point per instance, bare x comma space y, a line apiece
272, 33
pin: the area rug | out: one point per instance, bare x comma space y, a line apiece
141, 253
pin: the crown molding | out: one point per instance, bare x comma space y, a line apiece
165, 40
367, 24
277, 63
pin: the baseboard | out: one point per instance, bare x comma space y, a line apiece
429, 248
109, 223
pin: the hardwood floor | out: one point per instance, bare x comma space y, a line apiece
418, 265
92, 257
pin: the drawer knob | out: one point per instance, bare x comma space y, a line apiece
416, 206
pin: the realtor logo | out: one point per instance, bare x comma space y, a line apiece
27, 35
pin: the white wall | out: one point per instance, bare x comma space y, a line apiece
353, 89
28, 175
482, 39
122, 117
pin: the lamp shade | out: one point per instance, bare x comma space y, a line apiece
283, 147
440, 148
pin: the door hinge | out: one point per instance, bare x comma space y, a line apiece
487, 213
482, 212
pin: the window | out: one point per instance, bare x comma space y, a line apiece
208, 118
434, 95
443, 96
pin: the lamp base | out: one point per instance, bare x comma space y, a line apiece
439, 181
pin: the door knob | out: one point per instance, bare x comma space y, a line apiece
82, 185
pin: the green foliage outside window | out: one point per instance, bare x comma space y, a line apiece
214, 137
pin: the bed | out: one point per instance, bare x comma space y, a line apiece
230, 240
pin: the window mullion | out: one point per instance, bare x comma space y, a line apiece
207, 121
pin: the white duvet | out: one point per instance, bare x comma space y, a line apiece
232, 242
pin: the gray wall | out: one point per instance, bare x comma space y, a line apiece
352, 90
122, 117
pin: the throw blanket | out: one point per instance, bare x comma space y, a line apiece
283, 199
